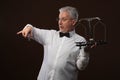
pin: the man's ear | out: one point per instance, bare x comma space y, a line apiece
74, 22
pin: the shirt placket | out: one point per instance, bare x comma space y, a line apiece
56, 59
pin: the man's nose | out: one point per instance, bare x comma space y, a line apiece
60, 22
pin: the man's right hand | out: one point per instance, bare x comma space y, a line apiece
26, 30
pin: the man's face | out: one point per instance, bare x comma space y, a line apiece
66, 23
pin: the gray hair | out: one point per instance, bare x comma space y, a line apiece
71, 10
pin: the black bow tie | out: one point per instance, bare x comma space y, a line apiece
64, 34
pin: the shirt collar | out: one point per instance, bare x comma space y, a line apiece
72, 33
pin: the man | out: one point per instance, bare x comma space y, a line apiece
62, 58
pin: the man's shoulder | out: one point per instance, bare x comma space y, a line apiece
49, 30
80, 38
53, 31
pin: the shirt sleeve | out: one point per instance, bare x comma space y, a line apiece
82, 59
39, 35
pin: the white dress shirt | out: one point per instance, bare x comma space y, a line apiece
62, 58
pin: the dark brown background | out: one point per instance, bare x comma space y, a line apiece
21, 59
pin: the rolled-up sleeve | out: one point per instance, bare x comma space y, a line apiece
82, 59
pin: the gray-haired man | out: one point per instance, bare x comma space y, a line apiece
62, 58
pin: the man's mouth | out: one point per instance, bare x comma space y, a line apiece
61, 27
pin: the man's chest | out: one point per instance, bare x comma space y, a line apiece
63, 46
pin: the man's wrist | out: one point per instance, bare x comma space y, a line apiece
28, 26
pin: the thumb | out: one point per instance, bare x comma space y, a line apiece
19, 32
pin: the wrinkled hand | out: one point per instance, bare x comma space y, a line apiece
88, 48
27, 30
94, 45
